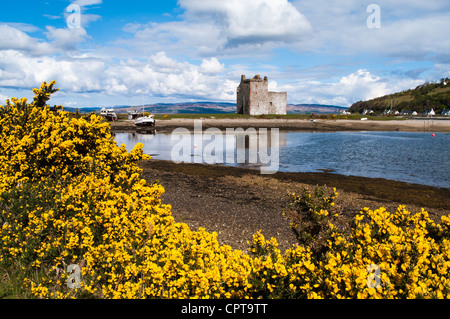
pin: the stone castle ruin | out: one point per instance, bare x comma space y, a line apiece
254, 98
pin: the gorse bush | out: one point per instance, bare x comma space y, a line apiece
310, 215
70, 196
379, 255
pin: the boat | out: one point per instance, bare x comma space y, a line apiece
109, 114
132, 115
145, 120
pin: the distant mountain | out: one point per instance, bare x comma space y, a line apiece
314, 108
82, 109
426, 96
209, 108
192, 108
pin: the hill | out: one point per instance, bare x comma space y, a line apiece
426, 96
314, 108
209, 108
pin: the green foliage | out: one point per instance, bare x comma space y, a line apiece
309, 214
423, 97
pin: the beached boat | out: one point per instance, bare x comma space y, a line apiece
145, 121
109, 114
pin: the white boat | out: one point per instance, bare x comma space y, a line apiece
110, 114
145, 121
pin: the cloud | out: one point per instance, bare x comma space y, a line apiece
61, 40
158, 76
360, 85
15, 39
84, 3
232, 27
74, 75
212, 65
414, 30
348, 89
66, 39
166, 77
253, 21
25, 27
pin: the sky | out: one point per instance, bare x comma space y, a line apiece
321, 52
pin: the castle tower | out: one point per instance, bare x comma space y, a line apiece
254, 98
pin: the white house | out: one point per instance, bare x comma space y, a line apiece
429, 113
367, 111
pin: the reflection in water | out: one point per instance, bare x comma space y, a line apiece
235, 146
405, 156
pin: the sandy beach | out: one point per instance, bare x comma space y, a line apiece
411, 125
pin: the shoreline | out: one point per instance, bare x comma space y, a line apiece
316, 125
237, 202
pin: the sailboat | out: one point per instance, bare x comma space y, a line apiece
145, 120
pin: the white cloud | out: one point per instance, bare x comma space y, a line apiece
84, 3
211, 28
25, 62
158, 76
14, 39
162, 76
410, 29
61, 40
74, 75
212, 65
359, 85
66, 39
25, 27
250, 21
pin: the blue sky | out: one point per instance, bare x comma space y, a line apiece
196, 50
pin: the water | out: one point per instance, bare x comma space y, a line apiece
403, 156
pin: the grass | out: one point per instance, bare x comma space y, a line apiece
12, 281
